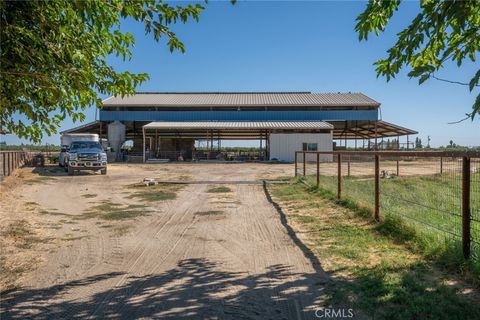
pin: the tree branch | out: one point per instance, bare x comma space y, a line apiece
468, 116
451, 81
24, 74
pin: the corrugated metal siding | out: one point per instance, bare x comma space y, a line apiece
240, 125
325, 115
243, 99
284, 145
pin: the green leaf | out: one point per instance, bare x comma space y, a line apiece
442, 32
474, 82
53, 56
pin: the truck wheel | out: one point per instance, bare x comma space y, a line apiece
103, 171
70, 171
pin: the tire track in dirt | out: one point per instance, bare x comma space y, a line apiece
260, 212
133, 264
159, 267
188, 201
241, 264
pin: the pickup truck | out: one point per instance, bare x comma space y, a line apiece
86, 155
66, 140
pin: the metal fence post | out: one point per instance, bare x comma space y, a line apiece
339, 176
377, 187
398, 168
348, 166
441, 165
466, 231
304, 163
296, 163
318, 169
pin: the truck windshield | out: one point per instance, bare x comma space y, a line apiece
79, 145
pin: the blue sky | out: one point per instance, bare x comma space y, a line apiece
304, 46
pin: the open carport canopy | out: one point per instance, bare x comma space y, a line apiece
232, 129
368, 130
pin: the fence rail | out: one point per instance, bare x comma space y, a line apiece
438, 190
11, 160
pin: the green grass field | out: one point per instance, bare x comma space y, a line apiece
370, 264
429, 204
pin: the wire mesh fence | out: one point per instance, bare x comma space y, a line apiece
475, 207
437, 193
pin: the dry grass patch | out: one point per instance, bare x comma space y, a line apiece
153, 196
17, 239
22, 235
70, 237
39, 180
153, 193
11, 273
89, 195
31, 203
119, 231
209, 213
52, 212
114, 211
219, 190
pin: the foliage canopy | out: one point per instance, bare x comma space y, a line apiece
443, 31
53, 56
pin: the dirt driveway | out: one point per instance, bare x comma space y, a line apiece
93, 246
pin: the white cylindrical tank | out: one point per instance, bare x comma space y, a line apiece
116, 135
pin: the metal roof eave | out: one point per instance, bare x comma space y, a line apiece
242, 125
86, 126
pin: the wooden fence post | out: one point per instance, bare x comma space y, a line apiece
377, 187
318, 169
9, 163
304, 163
466, 231
4, 163
339, 176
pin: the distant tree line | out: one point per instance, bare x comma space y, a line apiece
394, 144
29, 147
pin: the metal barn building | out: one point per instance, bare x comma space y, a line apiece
171, 125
